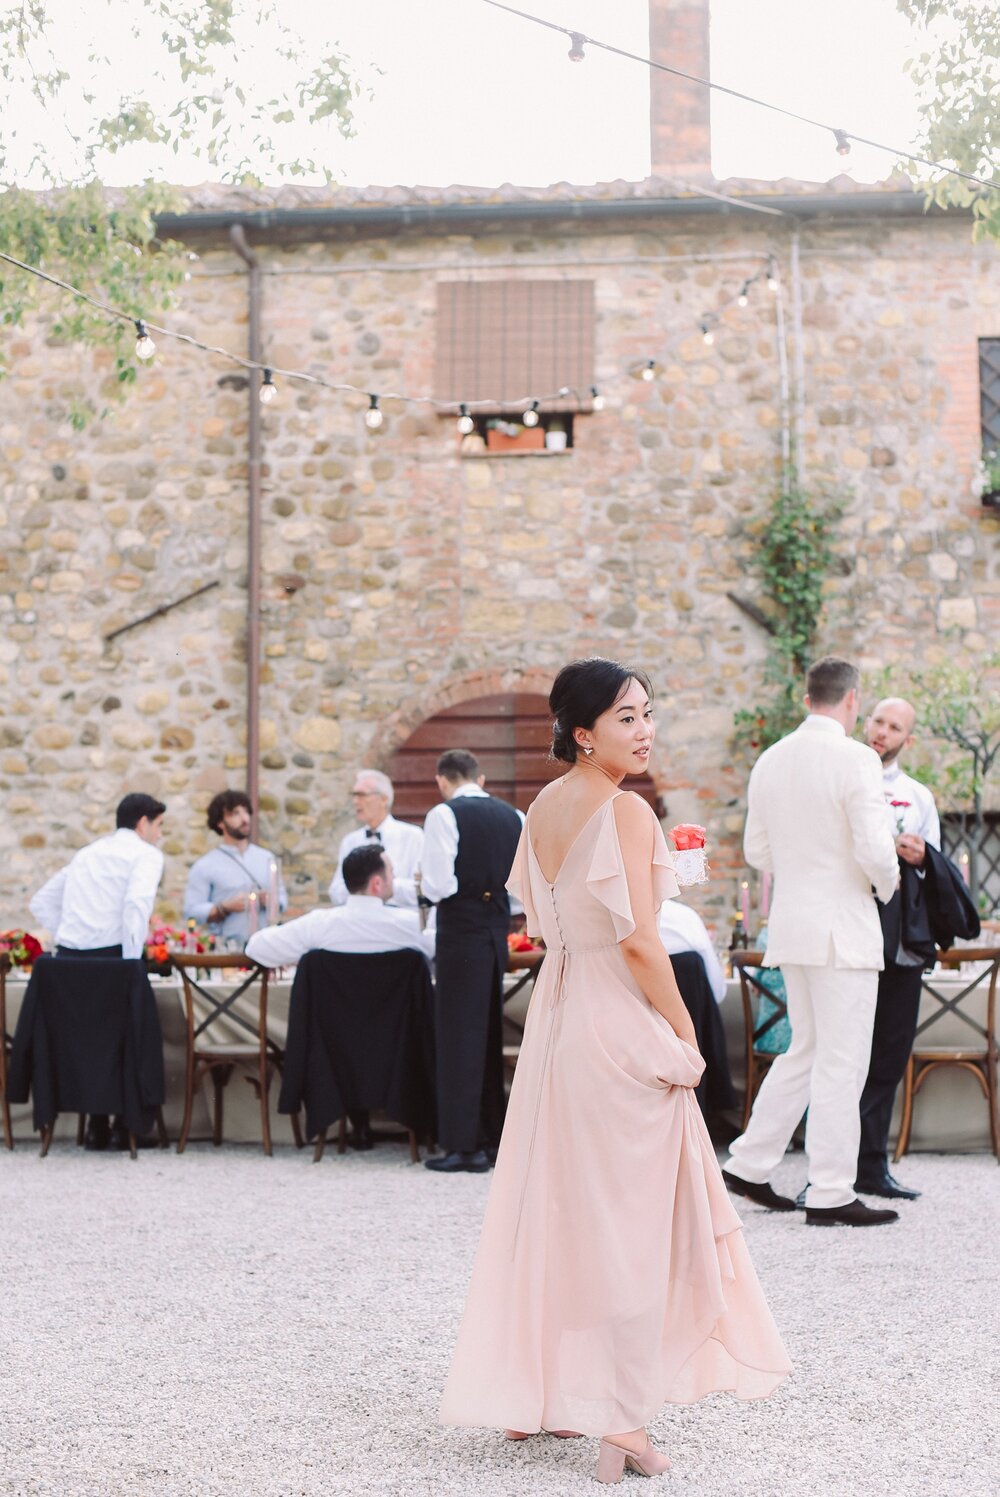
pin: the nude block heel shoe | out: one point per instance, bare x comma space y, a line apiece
612, 1460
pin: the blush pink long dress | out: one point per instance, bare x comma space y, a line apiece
611, 1274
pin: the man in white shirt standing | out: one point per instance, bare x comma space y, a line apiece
914, 823
816, 821
364, 924
469, 846
99, 904
682, 929
372, 798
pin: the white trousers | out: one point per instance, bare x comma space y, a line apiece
831, 1011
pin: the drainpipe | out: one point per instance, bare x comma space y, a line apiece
799, 408
238, 240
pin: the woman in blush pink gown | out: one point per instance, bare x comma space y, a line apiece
611, 1274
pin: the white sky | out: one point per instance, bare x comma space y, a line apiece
463, 93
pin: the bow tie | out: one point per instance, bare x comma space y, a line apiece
370, 832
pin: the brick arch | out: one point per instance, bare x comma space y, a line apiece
506, 725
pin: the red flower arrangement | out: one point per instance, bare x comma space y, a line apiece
519, 940
687, 835
22, 947
899, 806
163, 938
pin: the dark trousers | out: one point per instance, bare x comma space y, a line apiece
468, 1025
93, 953
892, 1041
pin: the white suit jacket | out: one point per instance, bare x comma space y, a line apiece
816, 820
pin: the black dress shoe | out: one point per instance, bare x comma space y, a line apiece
119, 1137
98, 1134
885, 1185
762, 1194
854, 1214
362, 1139
453, 1164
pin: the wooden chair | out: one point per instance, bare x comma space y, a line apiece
5, 1044
757, 1062
217, 1057
342, 1141
979, 1060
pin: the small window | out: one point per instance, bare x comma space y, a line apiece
501, 343
989, 393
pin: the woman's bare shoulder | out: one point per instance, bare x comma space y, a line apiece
548, 793
632, 813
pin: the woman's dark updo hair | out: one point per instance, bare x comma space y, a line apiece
580, 693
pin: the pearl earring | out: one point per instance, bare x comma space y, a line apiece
587, 749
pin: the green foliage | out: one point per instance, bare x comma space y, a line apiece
957, 75
191, 54
794, 555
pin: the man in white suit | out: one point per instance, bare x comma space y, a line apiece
816, 820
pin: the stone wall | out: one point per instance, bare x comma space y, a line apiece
400, 576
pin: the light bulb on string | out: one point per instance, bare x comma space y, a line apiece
649, 373
268, 389
576, 52
144, 345
772, 275
530, 417
743, 300
596, 398
373, 416
466, 425
706, 331
843, 144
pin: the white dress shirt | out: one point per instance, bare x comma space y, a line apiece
441, 848
682, 929
363, 924
104, 895
404, 844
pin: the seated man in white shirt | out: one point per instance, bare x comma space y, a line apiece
99, 905
365, 924
682, 929
372, 798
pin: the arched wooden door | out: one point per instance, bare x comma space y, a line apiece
509, 735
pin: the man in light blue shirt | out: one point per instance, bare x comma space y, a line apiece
227, 883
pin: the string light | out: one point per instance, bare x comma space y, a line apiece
466, 425
772, 274
144, 345
530, 417
373, 416
707, 335
649, 373
596, 398
743, 300
268, 389
576, 52
843, 144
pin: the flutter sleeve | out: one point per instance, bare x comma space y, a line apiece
519, 882
607, 879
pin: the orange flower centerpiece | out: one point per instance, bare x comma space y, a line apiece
519, 940
22, 947
163, 938
690, 864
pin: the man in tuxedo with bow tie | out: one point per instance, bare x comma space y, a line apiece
372, 797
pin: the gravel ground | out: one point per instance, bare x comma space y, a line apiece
230, 1326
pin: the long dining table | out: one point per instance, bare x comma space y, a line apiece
950, 1114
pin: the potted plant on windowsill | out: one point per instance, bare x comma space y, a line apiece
511, 436
989, 478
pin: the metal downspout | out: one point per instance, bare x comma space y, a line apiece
239, 243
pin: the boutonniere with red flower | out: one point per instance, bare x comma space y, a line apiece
690, 865
899, 806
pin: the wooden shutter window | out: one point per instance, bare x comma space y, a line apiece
502, 342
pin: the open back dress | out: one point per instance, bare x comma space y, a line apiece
611, 1274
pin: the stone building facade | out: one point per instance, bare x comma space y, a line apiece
401, 575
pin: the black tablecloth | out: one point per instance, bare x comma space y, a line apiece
88, 1040
715, 1090
360, 1036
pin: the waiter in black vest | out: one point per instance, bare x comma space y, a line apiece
469, 846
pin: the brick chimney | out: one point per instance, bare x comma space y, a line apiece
679, 118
